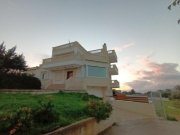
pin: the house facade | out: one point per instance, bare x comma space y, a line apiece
72, 67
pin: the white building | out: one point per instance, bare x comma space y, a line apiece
71, 67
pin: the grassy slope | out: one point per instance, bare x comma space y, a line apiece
69, 105
172, 108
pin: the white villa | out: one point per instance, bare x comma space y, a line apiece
72, 67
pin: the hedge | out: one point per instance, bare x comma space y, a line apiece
19, 81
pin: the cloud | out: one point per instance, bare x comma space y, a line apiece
124, 46
35, 59
155, 76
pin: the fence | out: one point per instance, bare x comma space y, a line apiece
157, 100
133, 98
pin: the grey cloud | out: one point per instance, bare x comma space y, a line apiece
161, 76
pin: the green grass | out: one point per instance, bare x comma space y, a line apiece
172, 108
70, 106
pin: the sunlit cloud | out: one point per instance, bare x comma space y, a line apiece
35, 59
143, 74
155, 76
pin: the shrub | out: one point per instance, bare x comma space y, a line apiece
87, 97
22, 121
98, 109
19, 81
5, 122
171, 118
45, 114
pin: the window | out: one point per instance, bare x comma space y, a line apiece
44, 75
69, 74
96, 71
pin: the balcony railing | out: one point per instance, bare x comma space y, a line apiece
95, 51
115, 84
113, 70
47, 60
112, 56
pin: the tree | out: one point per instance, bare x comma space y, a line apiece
175, 94
132, 92
9, 60
173, 4
11, 67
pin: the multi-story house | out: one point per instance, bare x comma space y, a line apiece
71, 67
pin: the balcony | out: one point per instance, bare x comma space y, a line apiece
112, 56
115, 84
62, 62
113, 70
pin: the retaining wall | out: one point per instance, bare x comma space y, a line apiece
38, 91
84, 127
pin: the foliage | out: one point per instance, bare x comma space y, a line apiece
45, 113
175, 94
19, 81
131, 92
165, 93
174, 3
5, 122
87, 97
172, 108
12, 66
171, 118
22, 121
70, 106
99, 110
9, 60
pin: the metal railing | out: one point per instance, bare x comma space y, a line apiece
157, 101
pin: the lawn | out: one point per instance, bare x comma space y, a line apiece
172, 108
70, 106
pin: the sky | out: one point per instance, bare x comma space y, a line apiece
144, 33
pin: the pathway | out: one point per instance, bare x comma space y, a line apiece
132, 124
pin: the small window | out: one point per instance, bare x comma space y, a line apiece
44, 75
69, 74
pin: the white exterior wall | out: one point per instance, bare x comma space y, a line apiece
73, 57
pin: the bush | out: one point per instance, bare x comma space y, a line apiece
45, 114
87, 97
99, 110
27, 121
19, 81
20, 122
175, 93
171, 118
5, 122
